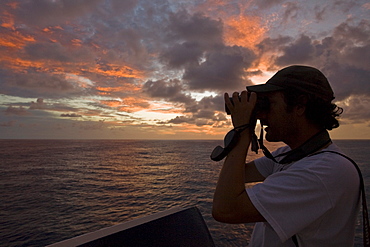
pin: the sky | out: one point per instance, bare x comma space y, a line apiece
139, 69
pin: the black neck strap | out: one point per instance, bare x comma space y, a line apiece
311, 146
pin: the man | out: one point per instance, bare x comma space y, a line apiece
308, 196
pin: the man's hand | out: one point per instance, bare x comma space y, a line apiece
242, 108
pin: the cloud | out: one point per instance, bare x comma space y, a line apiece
213, 103
18, 111
320, 12
37, 84
45, 13
39, 104
196, 28
171, 90
291, 11
187, 53
356, 109
123, 6
298, 52
72, 115
208, 111
268, 3
198, 48
189, 38
343, 56
117, 58
223, 69
48, 51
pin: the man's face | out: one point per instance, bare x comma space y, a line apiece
279, 122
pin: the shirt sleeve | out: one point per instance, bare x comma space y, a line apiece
266, 166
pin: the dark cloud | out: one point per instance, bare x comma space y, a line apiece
356, 109
196, 28
123, 6
39, 104
344, 6
191, 120
320, 12
163, 88
352, 33
180, 120
208, 118
46, 13
213, 103
57, 53
272, 46
298, 52
264, 4
171, 90
38, 84
72, 115
49, 51
348, 80
187, 53
207, 111
189, 38
197, 47
290, 12
18, 111
222, 70
344, 57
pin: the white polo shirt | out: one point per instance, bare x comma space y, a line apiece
315, 198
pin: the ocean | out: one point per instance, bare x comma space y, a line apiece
51, 190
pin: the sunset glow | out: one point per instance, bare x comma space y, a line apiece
158, 69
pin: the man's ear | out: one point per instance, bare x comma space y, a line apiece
300, 108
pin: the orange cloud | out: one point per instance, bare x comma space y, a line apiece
76, 42
19, 64
118, 71
52, 29
132, 104
23, 65
15, 39
111, 103
239, 29
13, 5
244, 31
7, 19
126, 88
133, 101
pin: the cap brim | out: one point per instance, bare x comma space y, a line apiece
264, 88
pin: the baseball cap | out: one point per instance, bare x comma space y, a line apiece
304, 78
